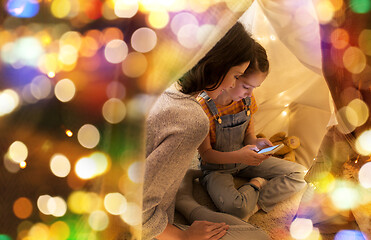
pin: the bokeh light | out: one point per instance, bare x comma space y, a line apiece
60, 165
40, 87
56, 206
301, 228
354, 60
364, 175
116, 51
98, 220
18, 151
9, 101
182, 19
85, 168
340, 38
136, 172
59, 230
135, 65
158, 19
350, 234
60, 8
345, 196
363, 143
364, 41
116, 89
115, 203
360, 6
132, 215
126, 8
114, 110
357, 112
143, 40
23, 8
42, 204
65, 90
88, 136
325, 11
186, 36
22, 208
81, 202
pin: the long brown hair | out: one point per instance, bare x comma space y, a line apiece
235, 48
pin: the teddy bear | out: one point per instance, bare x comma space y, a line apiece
290, 144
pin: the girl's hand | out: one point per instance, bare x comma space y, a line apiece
263, 143
250, 156
204, 230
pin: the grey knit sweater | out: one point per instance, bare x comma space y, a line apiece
176, 126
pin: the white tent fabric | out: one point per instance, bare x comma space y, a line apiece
294, 98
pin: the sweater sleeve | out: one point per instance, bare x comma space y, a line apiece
175, 141
161, 170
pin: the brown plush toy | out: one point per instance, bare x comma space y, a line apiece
290, 144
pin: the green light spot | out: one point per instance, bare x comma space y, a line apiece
5, 237
360, 6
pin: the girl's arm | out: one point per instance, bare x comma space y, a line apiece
245, 155
250, 137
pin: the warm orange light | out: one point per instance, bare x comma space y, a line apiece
23, 164
51, 74
69, 133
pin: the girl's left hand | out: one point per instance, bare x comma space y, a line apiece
263, 143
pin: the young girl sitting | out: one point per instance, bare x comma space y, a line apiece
230, 148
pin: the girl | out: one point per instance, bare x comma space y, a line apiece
176, 126
230, 150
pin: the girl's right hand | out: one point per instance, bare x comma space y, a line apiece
204, 230
250, 156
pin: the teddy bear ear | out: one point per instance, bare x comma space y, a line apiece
280, 136
292, 142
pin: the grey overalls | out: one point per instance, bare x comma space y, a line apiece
285, 177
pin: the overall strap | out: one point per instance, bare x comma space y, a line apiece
247, 102
212, 107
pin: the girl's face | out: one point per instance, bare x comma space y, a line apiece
229, 80
245, 86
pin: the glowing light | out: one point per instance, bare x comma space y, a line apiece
340, 38
85, 168
158, 19
10, 165
114, 110
116, 89
363, 143
200, 6
134, 65
60, 165
23, 164
65, 90
143, 40
26, 54
132, 215
98, 220
364, 41
39, 231
126, 8
186, 36
354, 60
364, 175
284, 113
108, 11
181, 20
136, 172
49, 64
350, 234
88, 136
59, 230
112, 33
344, 125
360, 6
115, 203
68, 55
56, 206
325, 11
360, 112
18, 151
301, 228
69, 133
116, 51
101, 162
71, 38
23, 8
42, 204
40, 87
345, 196
204, 33
4, 237
9, 101
22, 208
89, 46
60, 8
80, 202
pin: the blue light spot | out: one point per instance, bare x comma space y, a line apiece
23, 8
350, 234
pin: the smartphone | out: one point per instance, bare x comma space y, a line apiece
271, 150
